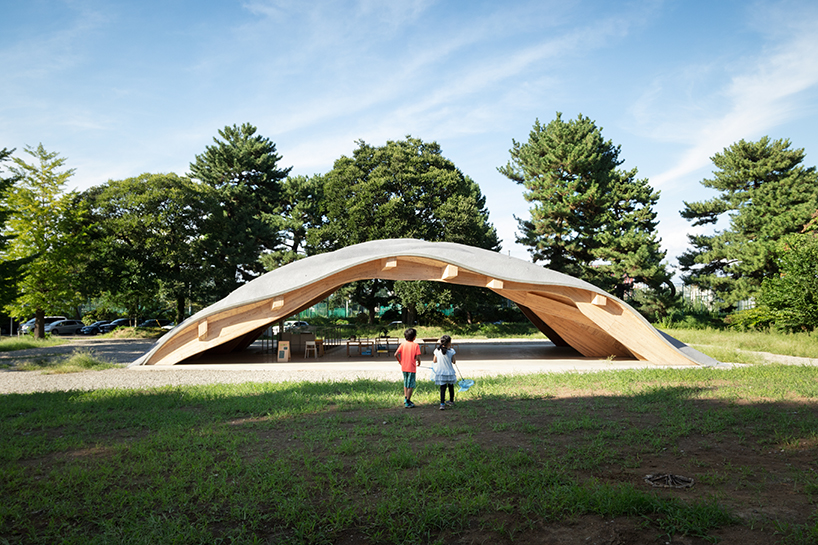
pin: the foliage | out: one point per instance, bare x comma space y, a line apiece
135, 333
405, 189
300, 212
244, 180
422, 298
76, 362
656, 305
145, 242
48, 233
766, 193
9, 268
589, 219
793, 294
25, 342
752, 319
691, 316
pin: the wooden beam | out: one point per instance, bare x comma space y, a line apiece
595, 324
449, 272
572, 325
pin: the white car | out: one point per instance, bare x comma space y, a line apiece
64, 327
290, 325
28, 327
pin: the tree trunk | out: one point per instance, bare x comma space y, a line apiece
180, 308
411, 316
39, 325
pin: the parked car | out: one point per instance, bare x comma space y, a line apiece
294, 324
28, 327
119, 322
64, 327
290, 325
156, 322
93, 329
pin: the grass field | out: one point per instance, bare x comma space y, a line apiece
11, 344
553, 458
731, 344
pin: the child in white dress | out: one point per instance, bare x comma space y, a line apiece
443, 371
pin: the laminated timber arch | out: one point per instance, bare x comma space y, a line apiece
569, 311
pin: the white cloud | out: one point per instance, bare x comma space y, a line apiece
761, 98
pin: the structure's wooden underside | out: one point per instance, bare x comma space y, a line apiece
568, 311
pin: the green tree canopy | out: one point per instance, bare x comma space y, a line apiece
145, 241
9, 268
242, 221
404, 189
588, 218
766, 193
45, 231
300, 212
792, 295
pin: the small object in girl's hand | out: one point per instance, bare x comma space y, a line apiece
465, 384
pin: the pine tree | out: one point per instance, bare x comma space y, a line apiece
588, 218
300, 213
766, 193
244, 181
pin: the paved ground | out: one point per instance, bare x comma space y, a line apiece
474, 358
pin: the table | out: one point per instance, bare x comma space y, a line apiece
386, 345
361, 344
426, 342
433, 343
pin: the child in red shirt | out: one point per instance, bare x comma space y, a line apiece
408, 355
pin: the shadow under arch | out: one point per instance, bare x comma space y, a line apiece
569, 311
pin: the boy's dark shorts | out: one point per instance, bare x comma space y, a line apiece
408, 380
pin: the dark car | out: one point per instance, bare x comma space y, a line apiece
120, 322
155, 322
93, 329
64, 327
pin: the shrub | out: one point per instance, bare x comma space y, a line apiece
752, 319
692, 317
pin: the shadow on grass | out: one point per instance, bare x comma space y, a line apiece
343, 461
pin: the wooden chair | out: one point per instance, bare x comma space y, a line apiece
310, 345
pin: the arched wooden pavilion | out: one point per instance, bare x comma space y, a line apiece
570, 312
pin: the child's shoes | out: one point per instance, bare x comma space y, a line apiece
442, 407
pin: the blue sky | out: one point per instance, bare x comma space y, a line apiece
122, 88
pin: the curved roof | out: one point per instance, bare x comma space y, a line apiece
571, 312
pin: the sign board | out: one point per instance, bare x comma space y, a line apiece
283, 351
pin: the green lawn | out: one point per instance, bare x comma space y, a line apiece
343, 462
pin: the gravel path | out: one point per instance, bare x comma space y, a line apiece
125, 351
